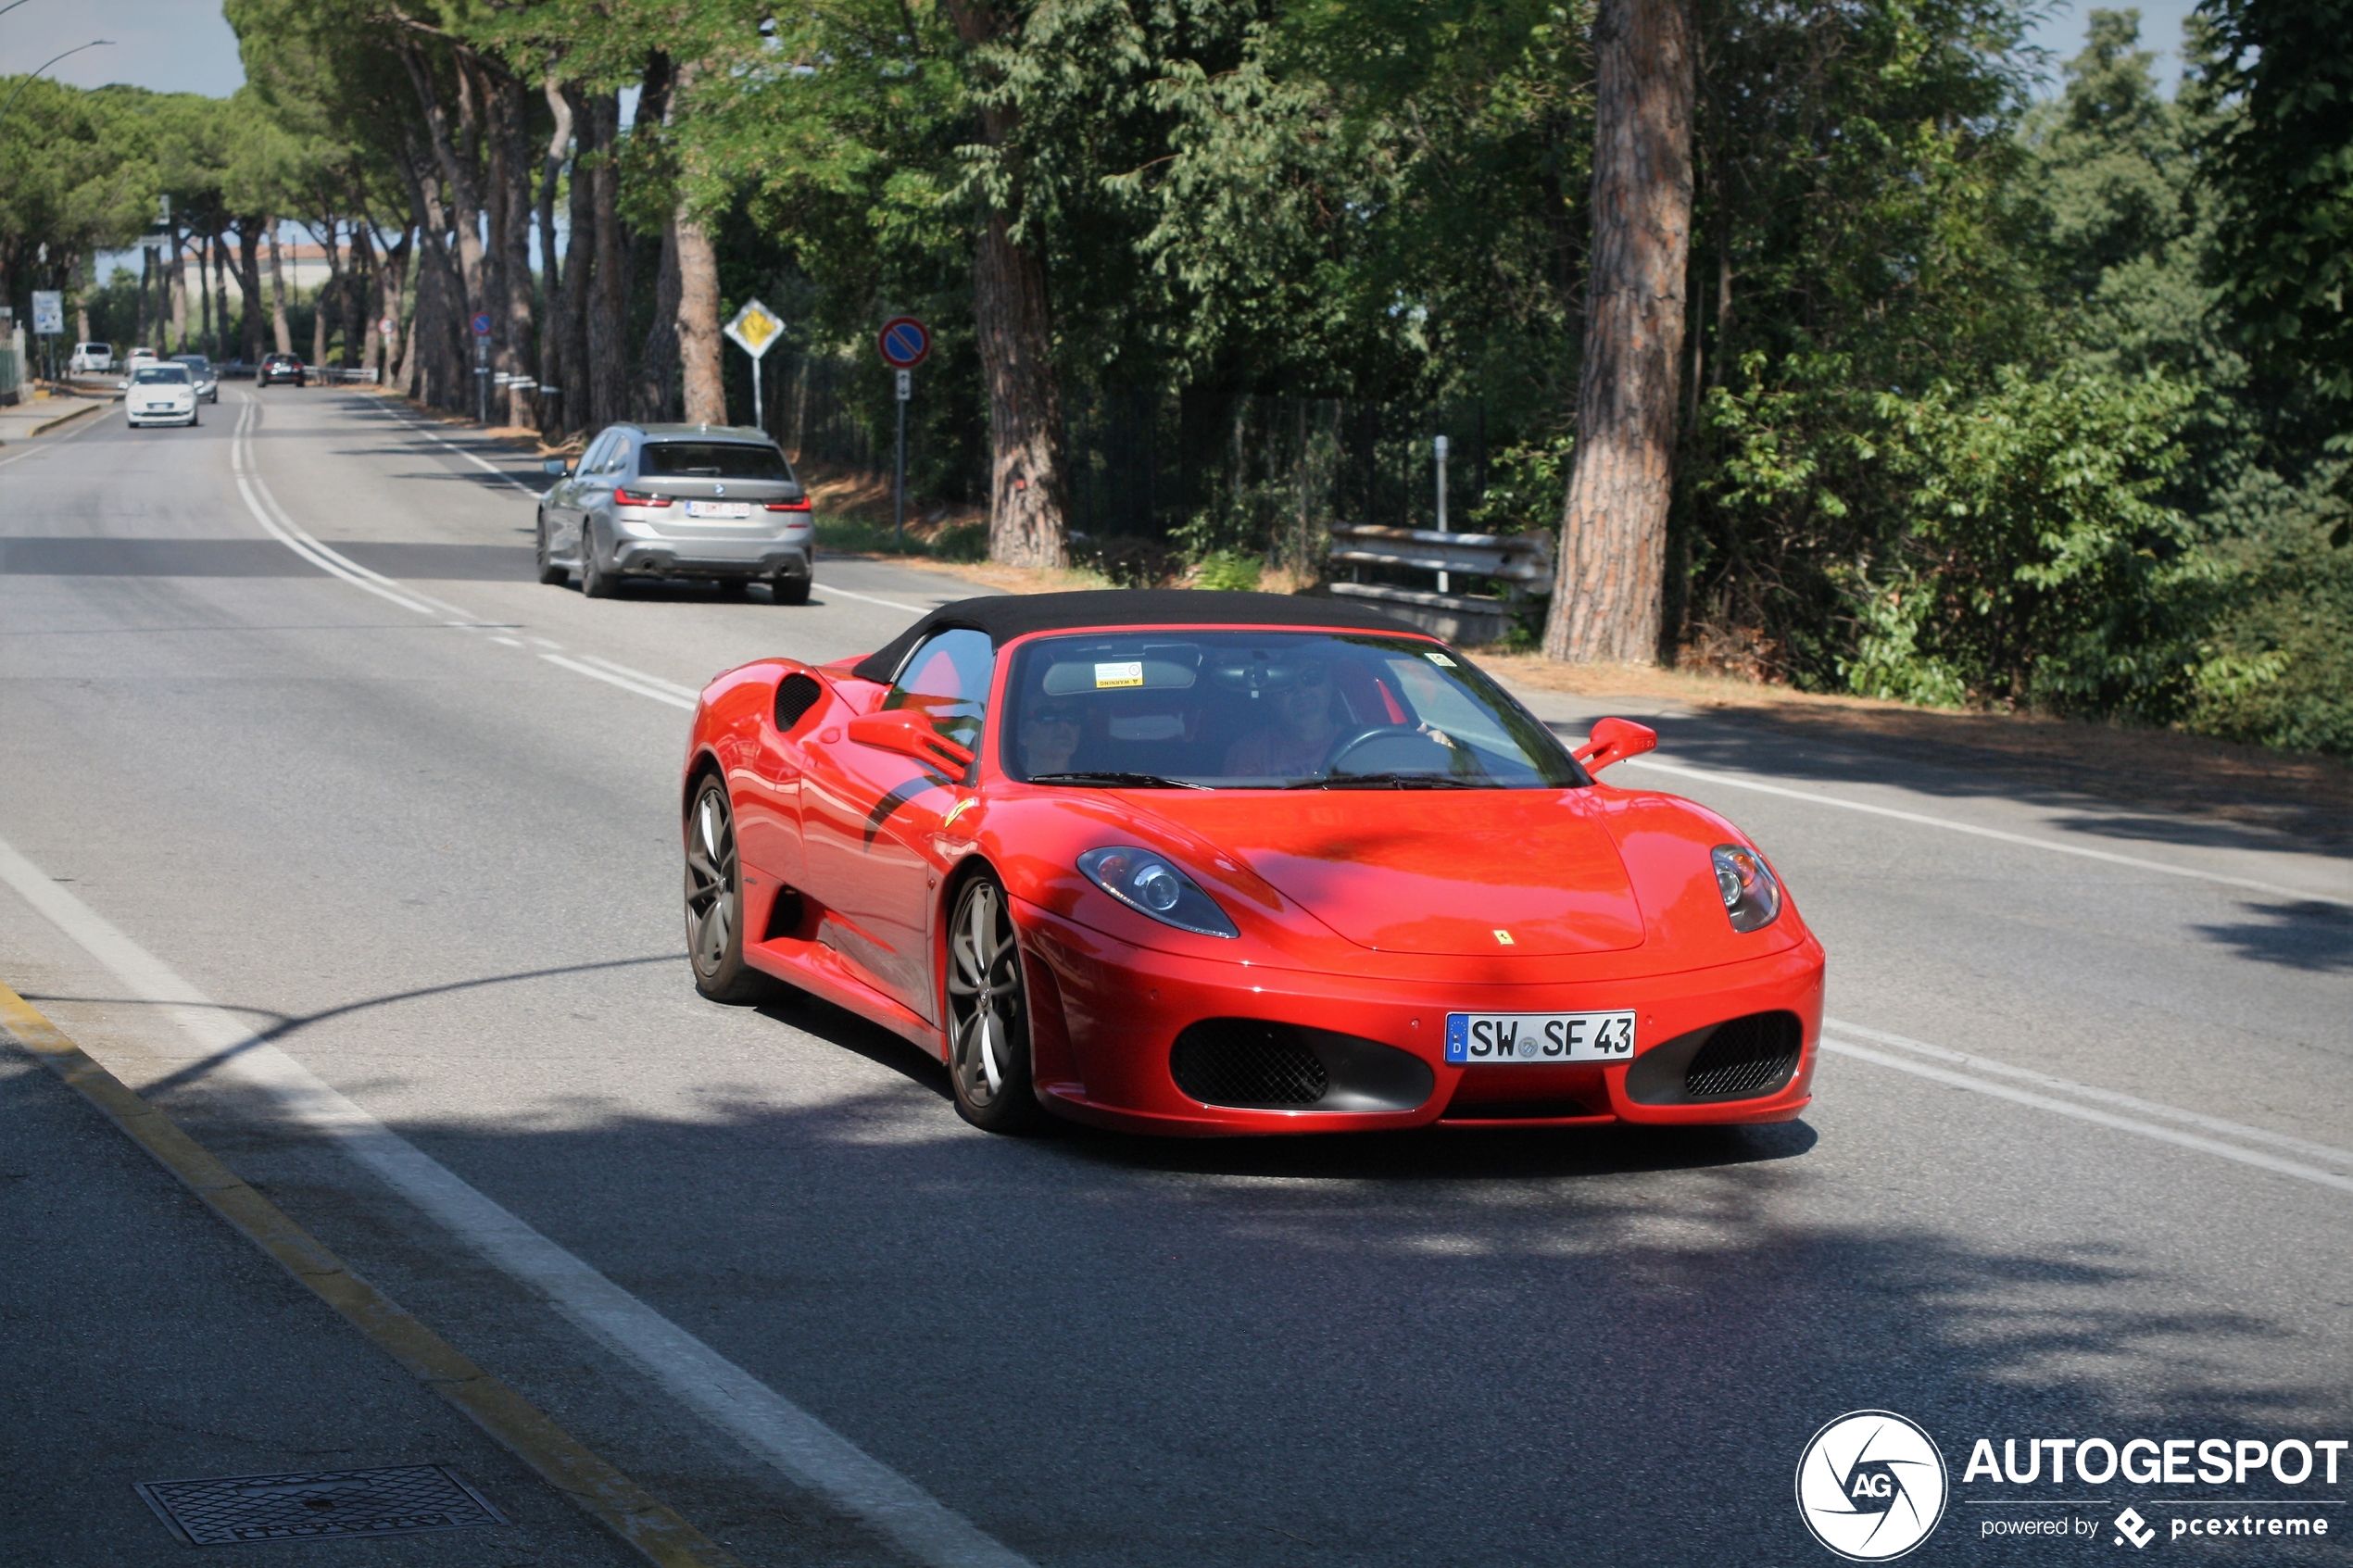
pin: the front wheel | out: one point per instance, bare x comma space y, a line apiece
715, 900
549, 572
988, 1064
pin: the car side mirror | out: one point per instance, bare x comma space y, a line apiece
555, 466
1614, 740
910, 735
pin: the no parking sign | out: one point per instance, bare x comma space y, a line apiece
906, 342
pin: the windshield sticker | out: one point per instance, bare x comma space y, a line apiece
1128, 674
1437, 658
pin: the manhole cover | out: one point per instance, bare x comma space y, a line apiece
318, 1505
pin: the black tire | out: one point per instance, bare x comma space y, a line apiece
552, 574
596, 583
790, 590
715, 900
989, 1060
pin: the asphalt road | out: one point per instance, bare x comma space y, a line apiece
335, 833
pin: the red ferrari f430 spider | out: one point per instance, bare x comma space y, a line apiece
1225, 863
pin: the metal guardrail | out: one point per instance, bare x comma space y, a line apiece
1521, 563
337, 373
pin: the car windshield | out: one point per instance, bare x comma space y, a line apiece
196, 363
713, 459
164, 375
1268, 710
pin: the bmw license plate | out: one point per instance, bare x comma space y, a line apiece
737, 509
1537, 1038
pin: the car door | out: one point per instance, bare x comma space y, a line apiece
563, 497
869, 817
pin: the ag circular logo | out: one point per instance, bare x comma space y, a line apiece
1872, 1485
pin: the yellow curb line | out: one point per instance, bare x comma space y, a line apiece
617, 1503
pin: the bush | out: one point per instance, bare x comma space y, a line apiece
1228, 570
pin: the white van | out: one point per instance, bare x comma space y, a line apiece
90, 358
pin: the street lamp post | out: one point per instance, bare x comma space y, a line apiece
94, 44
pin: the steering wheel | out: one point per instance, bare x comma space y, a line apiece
1357, 740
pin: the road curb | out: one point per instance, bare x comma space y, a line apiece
642, 1522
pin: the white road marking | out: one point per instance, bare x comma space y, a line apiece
274, 523
1735, 780
866, 598
656, 682
2340, 1158
612, 680
44, 444
419, 428
812, 1454
2100, 1118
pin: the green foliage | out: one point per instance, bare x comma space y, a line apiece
1230, 569
2036, 566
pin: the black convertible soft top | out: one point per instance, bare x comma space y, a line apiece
1007, 616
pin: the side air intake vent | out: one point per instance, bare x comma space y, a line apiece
1253, 1064
1744, 1058
1747, 1056
796, 694
1238, 1062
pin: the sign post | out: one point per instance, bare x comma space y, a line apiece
1439, 446
755, 331
481, 363
905, 344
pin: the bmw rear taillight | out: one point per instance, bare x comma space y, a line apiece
631, 498
799, 506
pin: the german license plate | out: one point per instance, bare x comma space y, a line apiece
737, 509
1530, 1038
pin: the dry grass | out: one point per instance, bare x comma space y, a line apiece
2298, 791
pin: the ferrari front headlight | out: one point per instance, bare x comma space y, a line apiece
1149, 884
1752, 897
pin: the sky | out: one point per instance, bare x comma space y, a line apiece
170, 46
2064, 25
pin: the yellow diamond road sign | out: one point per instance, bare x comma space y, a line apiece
755, 329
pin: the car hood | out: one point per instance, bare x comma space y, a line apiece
1522, 873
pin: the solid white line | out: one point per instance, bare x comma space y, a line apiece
278, 526
2342, 1159
2256, 1158
866, 598
419, 428
1735, 780
689, 693
806, 1449
611, 680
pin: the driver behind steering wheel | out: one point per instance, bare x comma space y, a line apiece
1299, 731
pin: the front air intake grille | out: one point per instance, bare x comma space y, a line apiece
1747, 1056
796, 694
1240, 1061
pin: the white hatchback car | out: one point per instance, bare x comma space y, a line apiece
159, 393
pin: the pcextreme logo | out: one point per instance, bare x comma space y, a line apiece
1872, 1485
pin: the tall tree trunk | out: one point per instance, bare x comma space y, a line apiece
249, 286
285, 334
392, 281
580, 251
657, 391
701, 372
179, 285
511, 304
608, 286
330, 290
204, 296
456, 171
1029, 518
554, 369
1607, 602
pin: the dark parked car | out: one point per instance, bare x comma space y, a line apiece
276, 367
708, 501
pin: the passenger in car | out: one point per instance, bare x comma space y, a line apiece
1049, 733
1301, 728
